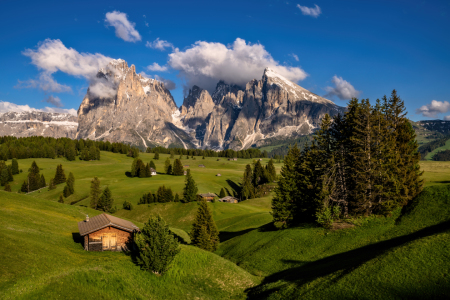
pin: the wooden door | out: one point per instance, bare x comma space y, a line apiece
113, 241
105, 242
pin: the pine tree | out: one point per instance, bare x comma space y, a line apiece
177, 198
169, 195
51, 185
71, 183
283, 207
71, 152
170, 170
148, 172
152, 165
66, 191
24, 188
166, 165
7, 187
10, 174
190, 189
156, 157
61, 199
258, 174
106, 201
161, 194
172, 154
248, 190
60, 177
272, 174
4, 176
204, 233
134, 168
157, 247
34, 179
42, 181
95, 193
222, 193
178, 168
15, 166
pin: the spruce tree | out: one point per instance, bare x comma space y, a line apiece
167, 165
4, 176
61, 199
7, 187
51, 185
148, 172
248, 190
178, 168
24, 188
66, 191
152, 164
14, 166
157, 247
106, 201
71, 183
169, 195
190, 188
95, 193
60, 177
176, 198
204, 233
222, 193
271, 171
161, 194
34, 179
258, 174
10, 174
156, 157
42, 181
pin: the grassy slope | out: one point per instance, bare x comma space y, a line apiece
40, 259
445, 147
402, 256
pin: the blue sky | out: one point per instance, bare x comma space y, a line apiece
333, 48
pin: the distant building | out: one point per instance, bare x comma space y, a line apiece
107, 233
234, 158
185, 172
152, 171
218, 175
201, 166
208, 196
186, 166
260, 159
229, 199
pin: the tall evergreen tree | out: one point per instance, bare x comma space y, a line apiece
156, 157
24, 188
167, 165
248, 190
157, 247
222, 193
106, 201
178, 168
4, 176
7, 187
95, 193
42, 181
258, 174
176, 198
51, 185
271, 171
61, 199
152, 164
34, 178
60, 177
190, 188
15, 166
204, 233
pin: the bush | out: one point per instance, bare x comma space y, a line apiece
328, 215
157, 247
127, 205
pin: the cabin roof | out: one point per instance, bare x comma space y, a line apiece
208, 195
102, 221
152, 170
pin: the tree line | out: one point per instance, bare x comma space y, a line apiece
361, 163
229, 153
254, 179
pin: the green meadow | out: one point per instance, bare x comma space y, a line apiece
405, 255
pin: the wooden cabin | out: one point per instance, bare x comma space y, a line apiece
208, 196
229, 199
234, 158
152, 171
201, 166
186, 166
218, 175
107, 233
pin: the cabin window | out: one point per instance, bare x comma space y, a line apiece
109, 241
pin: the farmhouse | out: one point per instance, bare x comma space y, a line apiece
201, 166
152, 171
186, 166
234, 158
218, 175
229, 199
208, 196
106, 233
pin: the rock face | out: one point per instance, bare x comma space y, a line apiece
141, 111
24, 124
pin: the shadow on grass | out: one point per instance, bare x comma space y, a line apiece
128, 174
77, 238
227, 235
235, 187
344, 263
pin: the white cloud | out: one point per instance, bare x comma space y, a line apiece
310, 11
159, 44
434, 108
342, 89
52, 56
45, 83
157, 67
146, 24
294, 56
55, 101
8, 106
169, 84
124, 28
204, 64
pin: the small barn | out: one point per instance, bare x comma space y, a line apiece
107, 233
152, 171
234, 158
218, 175
186, 166
229, 199
201, 166
208, 196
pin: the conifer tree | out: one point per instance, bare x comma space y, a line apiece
258, 174
14, 166
176, 198
24, 188
157, 247
4, 176
60, 177
148, 172
272, 174
134, 168
66, 191
190, 188
95, 193
169, 195
152, 165
166, 165
204, 233
178, 168
222, 193
172, 154
10, 174
161, 194
106, 201
34, 179
42, 181
248, 190
51, 185
156, 157
170, 170
7, 187
61, 199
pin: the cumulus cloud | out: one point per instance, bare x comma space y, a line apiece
310, 11
157, 67
294, 56
124, 28
102, 87
169, 84
434, 108
204, 64
45, 83
55, 101
52, 56
159, 44
342, 89
8, 106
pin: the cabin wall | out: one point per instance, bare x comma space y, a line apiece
123, 237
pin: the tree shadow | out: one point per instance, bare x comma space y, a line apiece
77, 238
237, 189
228, 235
344, 263
128, 174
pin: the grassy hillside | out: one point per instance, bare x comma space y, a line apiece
42, 259
402, 256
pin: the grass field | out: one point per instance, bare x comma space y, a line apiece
432, 153
405, 255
